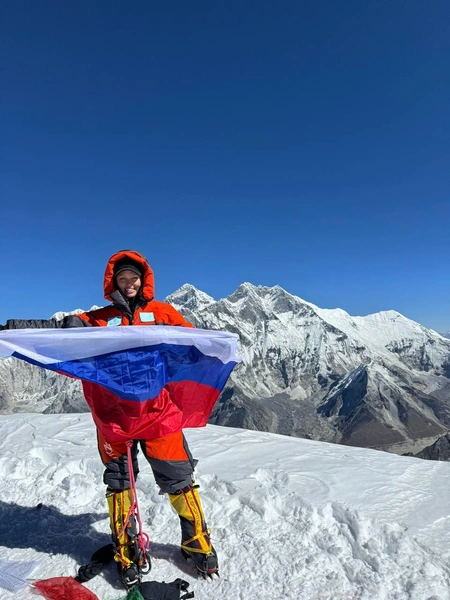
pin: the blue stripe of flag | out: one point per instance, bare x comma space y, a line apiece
141, 373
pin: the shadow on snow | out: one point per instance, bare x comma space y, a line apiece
46, 529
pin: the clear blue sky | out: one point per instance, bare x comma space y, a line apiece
304, 144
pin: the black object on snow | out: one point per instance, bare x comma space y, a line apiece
150, 590
154, 590
99, 559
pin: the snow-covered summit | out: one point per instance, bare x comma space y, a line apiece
295, 520
190, 297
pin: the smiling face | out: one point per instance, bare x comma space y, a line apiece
128, 283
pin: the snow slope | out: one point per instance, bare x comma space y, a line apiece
291, 518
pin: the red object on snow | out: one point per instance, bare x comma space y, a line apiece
63, 588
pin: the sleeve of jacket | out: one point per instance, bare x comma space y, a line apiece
65, 323
74, 321
96, 318
173, 317
31, 324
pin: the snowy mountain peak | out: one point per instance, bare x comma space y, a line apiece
273, 298
188, 287
246, 285
387, 315
245, 289
374, 380
190, 297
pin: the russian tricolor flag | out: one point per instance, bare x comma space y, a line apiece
139, 381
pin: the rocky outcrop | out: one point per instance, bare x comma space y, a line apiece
440, 450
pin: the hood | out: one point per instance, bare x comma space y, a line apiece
148, 284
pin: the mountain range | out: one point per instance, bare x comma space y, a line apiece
380, 381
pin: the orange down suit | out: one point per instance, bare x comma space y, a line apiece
167, 453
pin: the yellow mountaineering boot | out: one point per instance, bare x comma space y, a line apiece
123, 529
195, 540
